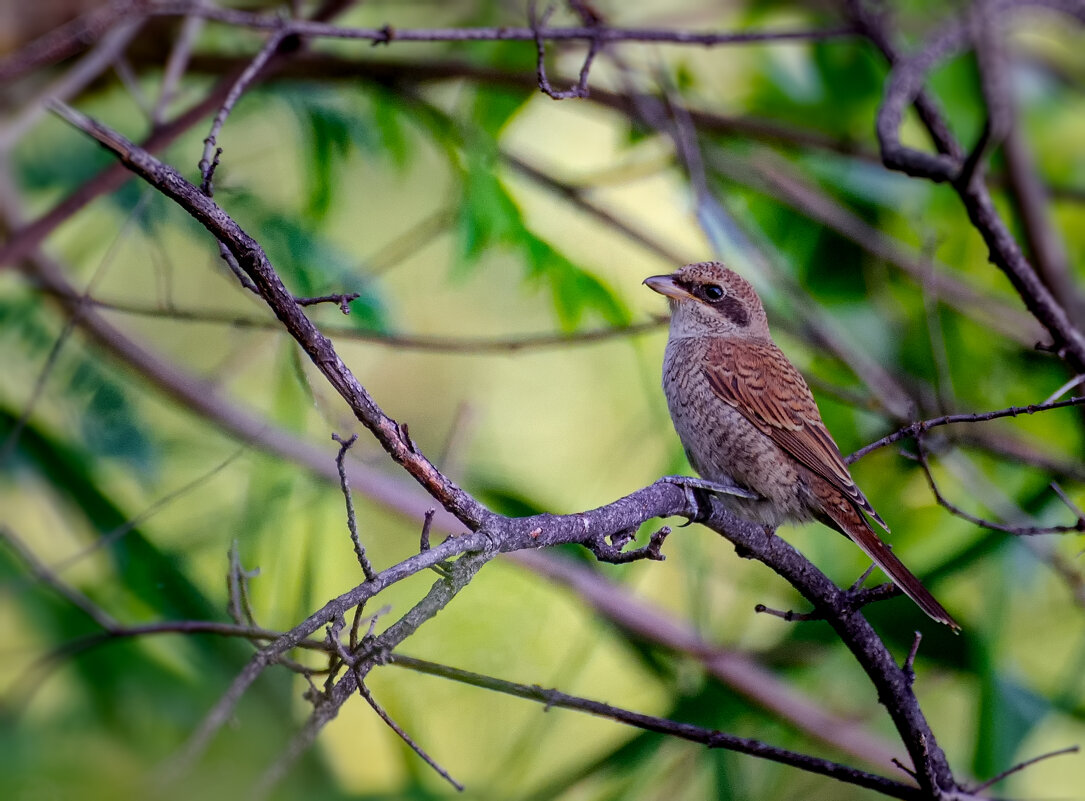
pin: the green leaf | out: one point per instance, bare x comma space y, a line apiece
329, 127
387, 109
487, 215
489, 218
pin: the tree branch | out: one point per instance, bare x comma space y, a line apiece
684, 731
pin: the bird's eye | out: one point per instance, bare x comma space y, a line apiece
713, 291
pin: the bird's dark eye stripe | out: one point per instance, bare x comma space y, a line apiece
713, 291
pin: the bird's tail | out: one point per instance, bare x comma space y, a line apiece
848, 519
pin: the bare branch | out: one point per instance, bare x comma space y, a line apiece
922, 426
210, 157
580, 89
319, 348
1021, 531
1073, 749
685, 731
905, 86
368, 696
387, 34
352, 522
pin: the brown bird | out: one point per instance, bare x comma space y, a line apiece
748, 421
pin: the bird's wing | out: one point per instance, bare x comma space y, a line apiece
759, 382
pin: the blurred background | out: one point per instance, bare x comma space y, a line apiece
498, 239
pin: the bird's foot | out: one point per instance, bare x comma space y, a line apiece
718, 487
690, 485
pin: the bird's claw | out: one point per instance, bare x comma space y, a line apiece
690, 485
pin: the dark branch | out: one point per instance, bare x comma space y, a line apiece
685, 731
921, 426
352, 521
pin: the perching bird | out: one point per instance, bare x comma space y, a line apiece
746, 418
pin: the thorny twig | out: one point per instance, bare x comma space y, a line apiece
211, 152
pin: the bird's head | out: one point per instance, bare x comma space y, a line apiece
708, 299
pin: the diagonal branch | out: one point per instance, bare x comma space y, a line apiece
251, 258
685, 731
920, 426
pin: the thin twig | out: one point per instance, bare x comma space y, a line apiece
1073, 749
352, 523
50, 579
68, 39
1069, 385
1073, 507
580, 89
110, 537
788, 615
237, 584
176, 64
74, 80
51, 360
909, 662
923, 458
713, 739
437, 344
905, 86
851, 600
342, 300
209, 159
368, 696
387, 35
919, 427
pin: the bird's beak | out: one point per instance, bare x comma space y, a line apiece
666, 285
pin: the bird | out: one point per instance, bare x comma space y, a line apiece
750, 425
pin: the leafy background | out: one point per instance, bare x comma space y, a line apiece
405, 193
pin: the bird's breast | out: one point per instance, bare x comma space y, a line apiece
723, 445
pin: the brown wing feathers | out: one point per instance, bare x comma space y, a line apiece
743, 373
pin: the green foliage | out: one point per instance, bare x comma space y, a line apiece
488, 218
